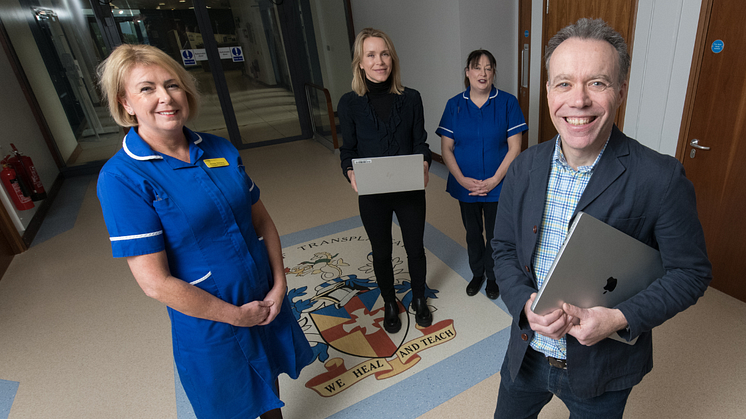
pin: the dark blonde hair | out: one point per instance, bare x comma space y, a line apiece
358, 74
114, 70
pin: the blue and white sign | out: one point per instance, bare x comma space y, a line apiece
187, 56
717, 46
237, 54
191, 56
525, 33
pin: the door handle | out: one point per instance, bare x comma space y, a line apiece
524, 66
695, 143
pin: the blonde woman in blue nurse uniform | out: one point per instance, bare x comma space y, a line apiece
480, 134
182, 210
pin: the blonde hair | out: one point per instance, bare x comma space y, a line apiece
358, 74
114, 70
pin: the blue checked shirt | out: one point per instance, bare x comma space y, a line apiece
566, 186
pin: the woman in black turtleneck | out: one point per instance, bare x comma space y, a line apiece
380, 117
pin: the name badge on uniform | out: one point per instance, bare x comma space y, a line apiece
216, 162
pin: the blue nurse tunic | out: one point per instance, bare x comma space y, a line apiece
480, 137
200, 214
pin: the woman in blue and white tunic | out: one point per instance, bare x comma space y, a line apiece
480, 134
182, 210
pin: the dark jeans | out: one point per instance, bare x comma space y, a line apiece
480, 252
376, 212
537, 382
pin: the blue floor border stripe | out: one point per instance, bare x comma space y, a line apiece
312, 233
8, 390
64, 211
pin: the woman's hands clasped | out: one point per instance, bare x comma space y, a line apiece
260, 313
274, 298
478, 187
254, 313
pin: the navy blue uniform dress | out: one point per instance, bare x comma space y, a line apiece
480, 137
480, 143
201, 217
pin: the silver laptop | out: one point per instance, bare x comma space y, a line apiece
597, 265
376, 175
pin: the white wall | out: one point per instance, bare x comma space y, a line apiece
333, 47
21, 129
427, 40
434, 38
251, 28
15, 19
661, 61
492, 25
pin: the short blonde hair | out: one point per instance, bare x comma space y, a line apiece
358, 74
114, 70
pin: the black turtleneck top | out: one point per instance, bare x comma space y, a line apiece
380, 123
380, 97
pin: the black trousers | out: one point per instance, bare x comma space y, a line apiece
480, 252
376, 212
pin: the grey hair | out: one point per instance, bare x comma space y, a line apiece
592, 29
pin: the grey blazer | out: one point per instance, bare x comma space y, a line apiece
640, 192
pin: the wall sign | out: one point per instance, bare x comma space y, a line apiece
717, 46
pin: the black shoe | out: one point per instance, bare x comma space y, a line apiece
492, 290
474, 286
422, 315
391, 322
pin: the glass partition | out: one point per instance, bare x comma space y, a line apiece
71, 39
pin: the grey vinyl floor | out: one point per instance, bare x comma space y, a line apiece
81, 340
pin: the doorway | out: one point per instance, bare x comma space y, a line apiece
711, 144
619, 14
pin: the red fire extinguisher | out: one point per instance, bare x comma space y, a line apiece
26, 170
15, 187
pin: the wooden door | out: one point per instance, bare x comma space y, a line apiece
717, 119
524, 62
619, 14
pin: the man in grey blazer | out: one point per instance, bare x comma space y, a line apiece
593, 167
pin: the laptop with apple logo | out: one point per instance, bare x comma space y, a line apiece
597, 265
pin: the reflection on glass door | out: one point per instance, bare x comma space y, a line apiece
252, 58
70, 53
172, 26
255, 65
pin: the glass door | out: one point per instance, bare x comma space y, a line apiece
70, 49
251, 58
258, 79
252, 94
173, 27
